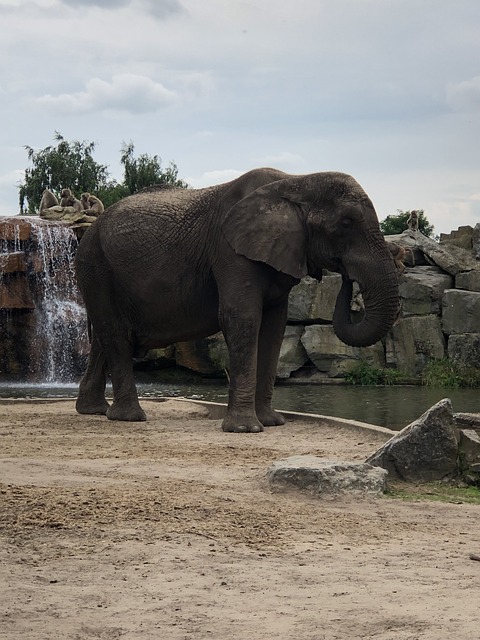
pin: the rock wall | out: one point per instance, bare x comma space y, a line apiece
440, 312
440, 316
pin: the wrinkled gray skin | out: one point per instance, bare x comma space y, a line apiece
172, 265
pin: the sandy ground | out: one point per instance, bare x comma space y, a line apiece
167, 529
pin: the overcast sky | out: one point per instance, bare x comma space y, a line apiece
386, 90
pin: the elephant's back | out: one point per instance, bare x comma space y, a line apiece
156, 227
168, 202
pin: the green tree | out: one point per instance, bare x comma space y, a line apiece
145, 171
71, 165
68, 164
396, 223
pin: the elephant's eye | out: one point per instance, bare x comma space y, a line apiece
347, 223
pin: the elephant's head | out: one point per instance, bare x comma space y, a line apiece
303, 224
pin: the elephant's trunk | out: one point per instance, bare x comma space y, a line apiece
381, 302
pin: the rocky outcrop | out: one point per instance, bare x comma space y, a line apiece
425, 450
439, 317
439, 445
67, 215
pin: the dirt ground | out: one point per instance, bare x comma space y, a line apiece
167, 529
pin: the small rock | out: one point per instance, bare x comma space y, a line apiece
469, 447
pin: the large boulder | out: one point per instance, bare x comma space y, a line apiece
425, 450
460, 311
320, 477
465, 349
314, 301
208, 356
292, 353
333, 357
461, 237
421, 290
469, 280
413, 342
436, 254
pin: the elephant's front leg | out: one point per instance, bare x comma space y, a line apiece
240, 329
270, 339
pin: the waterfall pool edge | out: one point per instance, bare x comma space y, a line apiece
392, 407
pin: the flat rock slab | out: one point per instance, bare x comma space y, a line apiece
319, 476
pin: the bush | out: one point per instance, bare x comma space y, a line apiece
364, 373
451, 374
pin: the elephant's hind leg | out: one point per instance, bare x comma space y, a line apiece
91, 394
125, 405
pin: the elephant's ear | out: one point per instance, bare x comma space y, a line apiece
268, 226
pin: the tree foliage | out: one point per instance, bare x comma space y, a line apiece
145, 171
68, 164
397, 223
71, 165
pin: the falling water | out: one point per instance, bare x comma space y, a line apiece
60, 338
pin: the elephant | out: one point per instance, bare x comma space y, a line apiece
171, 265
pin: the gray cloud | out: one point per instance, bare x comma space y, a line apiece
158, 8
103, 4
386, 91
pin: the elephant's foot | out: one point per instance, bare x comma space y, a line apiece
241, 423
270, 418
92, 407
127, 413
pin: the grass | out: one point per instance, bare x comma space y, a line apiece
450, 374
443, 373
364, 373
436, 492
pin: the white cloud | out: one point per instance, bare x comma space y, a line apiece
126, 92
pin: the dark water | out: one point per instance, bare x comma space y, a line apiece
392, 407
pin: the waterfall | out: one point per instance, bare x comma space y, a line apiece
43, 327
61, 325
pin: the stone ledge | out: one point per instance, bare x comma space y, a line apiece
317, 476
